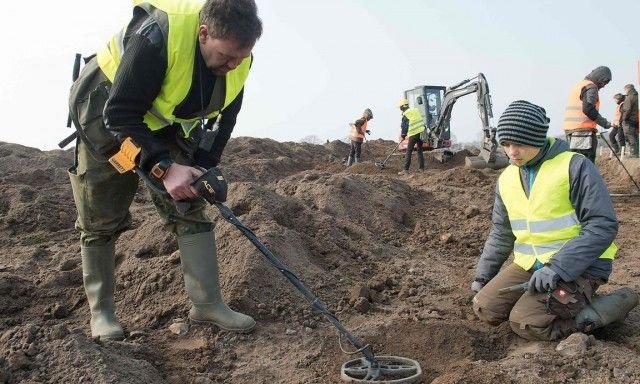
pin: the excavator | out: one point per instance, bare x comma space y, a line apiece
435, 103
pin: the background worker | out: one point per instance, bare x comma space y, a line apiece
630, 118
553, 211
616, 136
582, 116
412, 125
357, 134
160, 101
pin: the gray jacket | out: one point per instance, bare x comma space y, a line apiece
591, 200
600, 76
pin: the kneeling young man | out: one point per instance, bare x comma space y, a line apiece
553, 211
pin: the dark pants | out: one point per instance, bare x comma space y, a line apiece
616, 136
413, 140
535, 316
356, 149
590, 153
630, 129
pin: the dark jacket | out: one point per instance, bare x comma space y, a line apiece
601, 76
630, 108
590, 198
137, 83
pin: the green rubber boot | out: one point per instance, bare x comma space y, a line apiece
607, 309
200, 267
98, 275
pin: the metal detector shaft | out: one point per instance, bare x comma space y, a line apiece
228, 215
621, 163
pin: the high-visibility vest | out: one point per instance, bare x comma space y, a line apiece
574, 118
618, 114
354, 130
416, 124
179, 21
545, 221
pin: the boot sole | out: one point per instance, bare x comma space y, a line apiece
238, 330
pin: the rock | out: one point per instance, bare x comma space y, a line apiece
18, 360
290, 331
361, 305
619, 374
575, 344
59, 311
59, 331
174, 258
446, 238
68, 264
471, 212
179, 329
359, 291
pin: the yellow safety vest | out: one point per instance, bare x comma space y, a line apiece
179, 21
416, 124
574, 118
545, 221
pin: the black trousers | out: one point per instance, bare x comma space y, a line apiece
413, 140
616, 136
356, 149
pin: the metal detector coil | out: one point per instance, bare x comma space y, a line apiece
390, 370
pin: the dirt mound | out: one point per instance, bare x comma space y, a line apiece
392, 256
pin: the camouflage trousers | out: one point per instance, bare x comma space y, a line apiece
103, 197
538, 316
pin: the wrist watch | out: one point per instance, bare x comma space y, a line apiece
159, 170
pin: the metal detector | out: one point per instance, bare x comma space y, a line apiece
212, 187
370, 369
623, 167
380, 164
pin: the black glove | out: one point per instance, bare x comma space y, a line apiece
543, 280
212, 186
368, 132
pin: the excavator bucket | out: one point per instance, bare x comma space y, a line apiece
487, 159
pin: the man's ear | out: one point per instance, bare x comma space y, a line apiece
203, 32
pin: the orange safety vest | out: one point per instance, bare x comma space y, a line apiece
618, 114
354, 130
574, 118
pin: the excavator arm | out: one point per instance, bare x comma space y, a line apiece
489, 156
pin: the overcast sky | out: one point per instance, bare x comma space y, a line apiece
320, 63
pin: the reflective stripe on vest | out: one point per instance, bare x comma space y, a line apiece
179, 21
545, 221
574, 118
354, 130
416, 124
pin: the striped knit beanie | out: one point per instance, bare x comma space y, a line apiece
523, 123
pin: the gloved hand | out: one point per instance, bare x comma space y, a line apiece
368, 132
476, 286
543, 280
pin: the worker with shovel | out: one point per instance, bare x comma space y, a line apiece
553, 211
412, 126
358, 131
177, 63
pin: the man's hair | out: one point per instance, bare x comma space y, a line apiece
235, 20
629, 86
618, 96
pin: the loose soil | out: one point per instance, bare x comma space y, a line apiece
392, 256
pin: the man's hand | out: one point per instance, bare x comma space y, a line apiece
543, 280
476, 286
178, 182
368, 132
